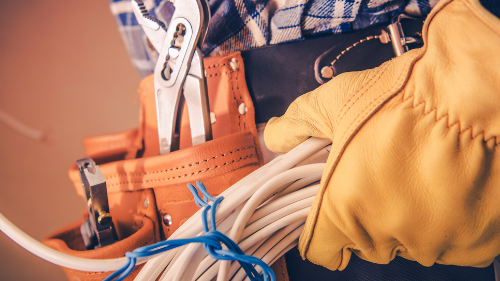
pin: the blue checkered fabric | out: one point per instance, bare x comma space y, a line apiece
238, 25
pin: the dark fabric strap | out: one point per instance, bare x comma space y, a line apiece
277, 75
399, 269
491, 5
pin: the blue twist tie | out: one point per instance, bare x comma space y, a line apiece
212, 242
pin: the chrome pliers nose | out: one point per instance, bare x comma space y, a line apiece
179, 69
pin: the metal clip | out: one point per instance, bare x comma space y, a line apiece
397, 36
98, 230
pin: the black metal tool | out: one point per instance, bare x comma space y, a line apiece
98, 230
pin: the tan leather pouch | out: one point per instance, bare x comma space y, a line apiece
147, 192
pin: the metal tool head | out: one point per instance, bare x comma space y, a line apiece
176, 46
98, 231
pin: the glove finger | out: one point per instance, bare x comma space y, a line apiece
312, 114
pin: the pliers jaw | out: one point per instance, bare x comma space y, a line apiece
176, 47
155, 29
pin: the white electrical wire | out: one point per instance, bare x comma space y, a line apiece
274, 216
269, 253
284, 238
56, 257
298, 185
259, 210
284, 251
282, 202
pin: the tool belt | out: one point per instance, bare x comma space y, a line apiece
148, 198
147, 193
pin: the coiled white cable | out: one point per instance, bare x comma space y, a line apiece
259, 197
234, 196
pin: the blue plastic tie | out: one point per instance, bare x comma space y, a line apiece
212, 241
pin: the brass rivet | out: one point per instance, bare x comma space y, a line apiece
327, 72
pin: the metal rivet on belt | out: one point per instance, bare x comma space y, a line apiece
146, 203
242, 108
212, 118
167, 220
233, 63
327, 72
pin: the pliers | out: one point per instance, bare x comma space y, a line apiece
179, 69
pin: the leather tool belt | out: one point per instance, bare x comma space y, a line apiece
148, 198
147, 193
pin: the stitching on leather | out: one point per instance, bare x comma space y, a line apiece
447, 115
369, 107
214, 65
185, 175
217, 74
368, 84
241, 100
368, 38
234, 96
182, 167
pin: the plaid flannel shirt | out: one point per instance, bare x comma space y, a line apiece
238, 25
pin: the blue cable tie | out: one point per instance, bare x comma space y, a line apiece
197, 200
212, 242
204, 191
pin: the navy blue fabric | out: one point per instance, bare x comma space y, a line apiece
491, 5
399, 269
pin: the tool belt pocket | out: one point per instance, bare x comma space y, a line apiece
147, 193
69, 240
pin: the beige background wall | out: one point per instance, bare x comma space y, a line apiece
64, 69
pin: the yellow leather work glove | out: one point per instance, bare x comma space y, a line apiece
413, 169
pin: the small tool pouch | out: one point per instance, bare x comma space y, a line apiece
148, 198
